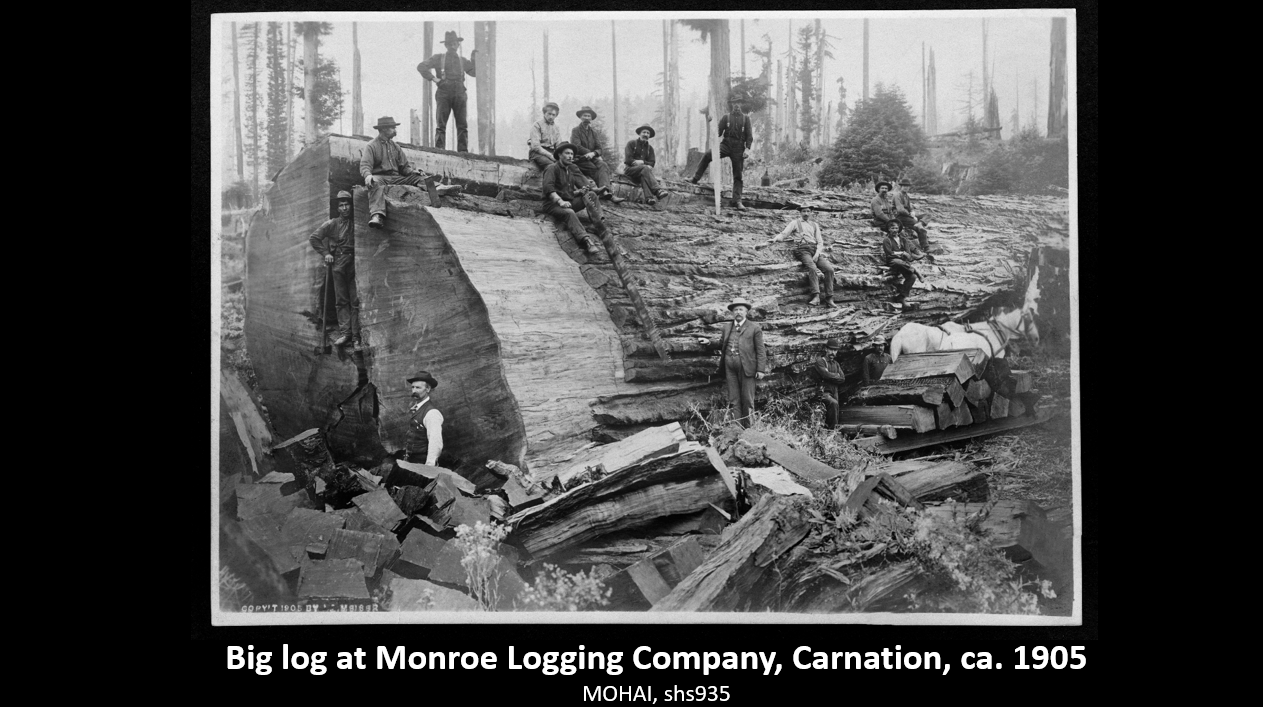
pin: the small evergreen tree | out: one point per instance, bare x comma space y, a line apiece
277, 123
842, 114
328, 94
881, 139
807, 117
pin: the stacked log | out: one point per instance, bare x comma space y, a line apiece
939, 391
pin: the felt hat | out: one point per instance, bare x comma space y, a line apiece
386, 122
833, 344
905, 182
344, 195
450, 36
878, 340
740, 301
894, 222
558, 149
652, 132
424, 376
877, 186
586, 109
550, 104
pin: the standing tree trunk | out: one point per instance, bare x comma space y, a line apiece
546, 98
780, 104
254, 110
310, 34
675, 94
1058, 104
866, 60
924, 115
485, 45
712, 142
414, 127
986, 79
357, 106
616, 130
768, 128
427, 91
743, 48
289, 91
236, 107
933, 96
668, 158
820, 111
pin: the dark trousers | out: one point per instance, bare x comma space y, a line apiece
451, 100
596, 170
829, 396
541, 160
740, 390
348, 299
733, 151
911, 222
377, 193
570, 218
899, 267
826, 267
643, 175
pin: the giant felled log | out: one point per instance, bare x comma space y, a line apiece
531, 339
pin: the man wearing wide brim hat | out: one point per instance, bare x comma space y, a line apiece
450, 96
876, 361
544, 138
334, 240
883, 205
639, 159
566, 192
906, 216
425, 424
587, 153
742, 358
383, 162
899, 255
737, 135
828, 371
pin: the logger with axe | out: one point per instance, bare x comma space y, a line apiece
334, 240
899, 254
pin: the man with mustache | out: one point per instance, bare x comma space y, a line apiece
450, 96
743, 358
566, 191
639, 159
383, 162
587, 153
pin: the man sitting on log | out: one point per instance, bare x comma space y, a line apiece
737, 136
884, 208
587, 153
566, 191
639, 159
383, 162
910, 219
742, 358
876, 361
335, 241
544, 138
899, 254
425, 423
809, 250
829, 372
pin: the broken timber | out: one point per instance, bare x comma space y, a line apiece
792, 459
910, 442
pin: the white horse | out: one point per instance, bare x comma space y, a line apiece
992, 336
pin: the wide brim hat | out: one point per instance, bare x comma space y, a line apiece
450, 36
877, 186
423, 376
586, 109
905, 182
652, 132
559, 148
386, 122
833, 344
740, 301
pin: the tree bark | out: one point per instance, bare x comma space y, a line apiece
427, 90
310, 33
616, 130
1058, 111
236, 106
485, 45
357, 105
289, 93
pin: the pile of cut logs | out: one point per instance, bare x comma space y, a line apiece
940, 396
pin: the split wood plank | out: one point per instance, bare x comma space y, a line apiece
332, 579
963, 416
910, 442
248, 421
372, 549
879, 394
957, 363
981, 411
406, 473
793, 460
944, 416
999, 407
935, 481
657, 575
775, 479
887, 431
646, 444
977, 391
905, 417
864, 500
419, 554
380, 508
718, 462
311, 530
1017, 408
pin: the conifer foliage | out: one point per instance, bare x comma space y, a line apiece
881, 140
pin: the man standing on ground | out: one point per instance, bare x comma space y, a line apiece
829, 372
876, 361
899, 255
383, 162
639, 158
545, 136
587, 153
742, 358
567, 191
450, 97
737, 136
425, 423
909, 219
809, 250
334, 240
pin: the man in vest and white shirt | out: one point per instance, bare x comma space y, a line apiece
808, 242
425, 424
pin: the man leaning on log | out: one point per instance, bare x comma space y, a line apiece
742, 358
383, 162
334, 240
566, 191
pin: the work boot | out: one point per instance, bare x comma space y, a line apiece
828, 302
375, 221
736, 204
590, 246
342, 339
815, 299
651, 201
696, 179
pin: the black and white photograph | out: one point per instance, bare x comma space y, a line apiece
646, 317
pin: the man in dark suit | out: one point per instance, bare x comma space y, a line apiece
829, 372
742, 358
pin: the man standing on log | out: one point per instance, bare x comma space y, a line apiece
742, 358
425, 424
587, 153
382, 162
544, 138
334, 240
909, 219
737, 136
450, 96
567, 191
899, 254
829, 372
809, 250
876, 361
638, 156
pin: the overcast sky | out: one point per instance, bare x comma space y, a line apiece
580, 62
